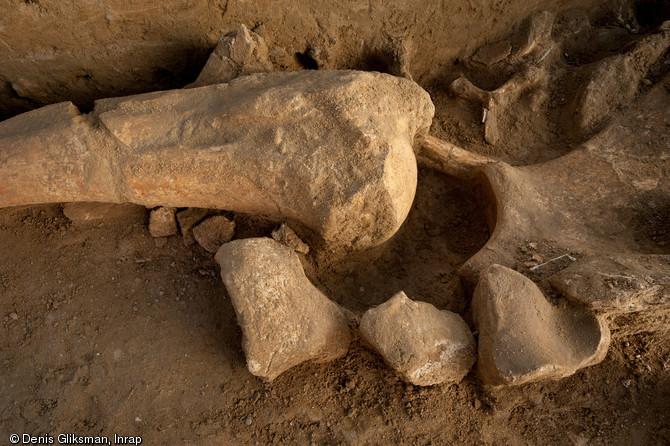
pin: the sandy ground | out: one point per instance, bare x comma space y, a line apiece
105, 330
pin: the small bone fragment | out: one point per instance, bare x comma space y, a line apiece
424, 345
84, 212
489, 55
287, 237
285, 320
237, 53
615, 80
400, 49
214, 232
187, 219
523, 337
330, 149
162, 222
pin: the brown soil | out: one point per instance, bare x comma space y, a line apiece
106, 330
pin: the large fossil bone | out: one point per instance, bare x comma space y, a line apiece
597, 221
604, 205
332, 150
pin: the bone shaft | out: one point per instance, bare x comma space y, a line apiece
46, 157
449, 158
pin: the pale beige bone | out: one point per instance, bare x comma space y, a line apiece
285, 320
523, 337
449, 158
537, 37
332, 150
614, 81
237, 53
495, 102
424, 345
585, 204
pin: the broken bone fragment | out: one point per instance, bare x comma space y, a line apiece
162, 222
424, 345
523, 337
285, 320
237, 53
332, 150
86, 213
287, 237
214, 232
634, 290
496, 102
614, 81
187, 219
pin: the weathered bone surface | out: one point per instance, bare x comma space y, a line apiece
615, 80
238, 53
618, 284
424, 345
329, 149
285, 320
522, 337
495, 102
214, 232
188, 219
535, 45
162, 222
605, 204
83, 212
287, 237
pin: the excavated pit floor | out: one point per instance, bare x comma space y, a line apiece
104, 329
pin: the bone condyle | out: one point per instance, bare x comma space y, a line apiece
343, 166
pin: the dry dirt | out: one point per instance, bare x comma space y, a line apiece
107, 330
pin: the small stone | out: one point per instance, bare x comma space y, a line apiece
162, 222
13, 315
248, 421
523, 337
285, 320
425, 345
214, 232
287, 237
187, 219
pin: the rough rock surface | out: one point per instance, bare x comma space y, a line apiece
523, 337
285, 320
162, 222
187, 219
287, 237
214, 232
238, 53
84, 212
425, 345
331, 149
